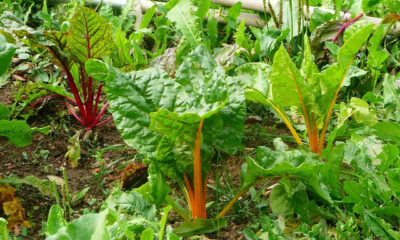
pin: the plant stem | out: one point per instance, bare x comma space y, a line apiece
314, 145
189, 191
74, 114
67, 194
49, 97
71, 84
178, 209
328, 115
344, 26
199, 198
56, 192
236, 198
287, 122
64, 200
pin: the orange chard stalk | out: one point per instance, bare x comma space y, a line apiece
197, 194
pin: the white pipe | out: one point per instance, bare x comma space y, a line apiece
258, 5
251, 19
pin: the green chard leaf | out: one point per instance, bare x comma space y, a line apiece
88, 226
55, 220
186, 21
228, 136
159, 116
269, 163
288, 86
18, 132
255, 76
331, 79
132, 97
200, 226
7, 51
4, 112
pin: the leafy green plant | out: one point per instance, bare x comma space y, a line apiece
271, 164
124, 215
88, 37
176, 123
307, 91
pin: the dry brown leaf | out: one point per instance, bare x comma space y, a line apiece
12, 209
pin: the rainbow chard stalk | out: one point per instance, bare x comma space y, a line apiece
177, 123
310, 93
89, 37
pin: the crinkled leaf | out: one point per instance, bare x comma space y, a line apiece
319, 17
166, 61
226, 55
174, 126
255, 76
359, 110
269, 163
353, 72
229, 134
133, 96
169, 158
362, 112
160, 116
329, 173
204, 89
159, 188
131, 203
279, 201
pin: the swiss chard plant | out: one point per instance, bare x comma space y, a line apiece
89, 36
177, 123
306, 91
